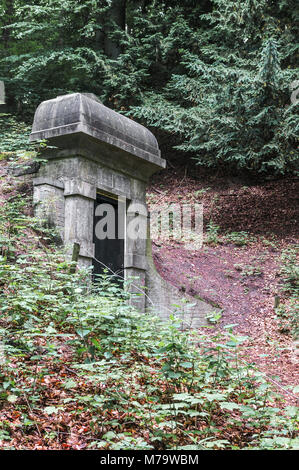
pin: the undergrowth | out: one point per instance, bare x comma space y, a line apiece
14, 135
81, 368
288, 311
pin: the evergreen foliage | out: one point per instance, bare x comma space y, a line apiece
214, 76
231, 105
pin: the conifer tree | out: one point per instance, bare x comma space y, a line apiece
230, 107
213, 75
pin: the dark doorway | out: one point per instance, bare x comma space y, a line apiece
109, 252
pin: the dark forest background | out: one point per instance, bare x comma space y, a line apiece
213, 78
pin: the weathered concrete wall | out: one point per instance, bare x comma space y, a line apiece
49, 203
98, 150
64, 193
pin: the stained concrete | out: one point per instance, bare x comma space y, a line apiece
94, 149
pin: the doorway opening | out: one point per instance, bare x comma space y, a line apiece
109, 224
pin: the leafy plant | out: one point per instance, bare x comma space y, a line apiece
237, 238
214, 317
134, 381
248, 269
212, 237
290, 269
288, 312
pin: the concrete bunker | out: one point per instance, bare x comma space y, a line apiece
97, 156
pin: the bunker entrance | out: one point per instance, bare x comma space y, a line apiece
109, 220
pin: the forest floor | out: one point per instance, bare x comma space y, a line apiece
239, 265
51, 405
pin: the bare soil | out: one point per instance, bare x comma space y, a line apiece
242, 280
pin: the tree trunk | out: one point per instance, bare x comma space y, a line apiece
7, 20
117, 14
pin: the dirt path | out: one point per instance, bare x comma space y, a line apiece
242, 280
